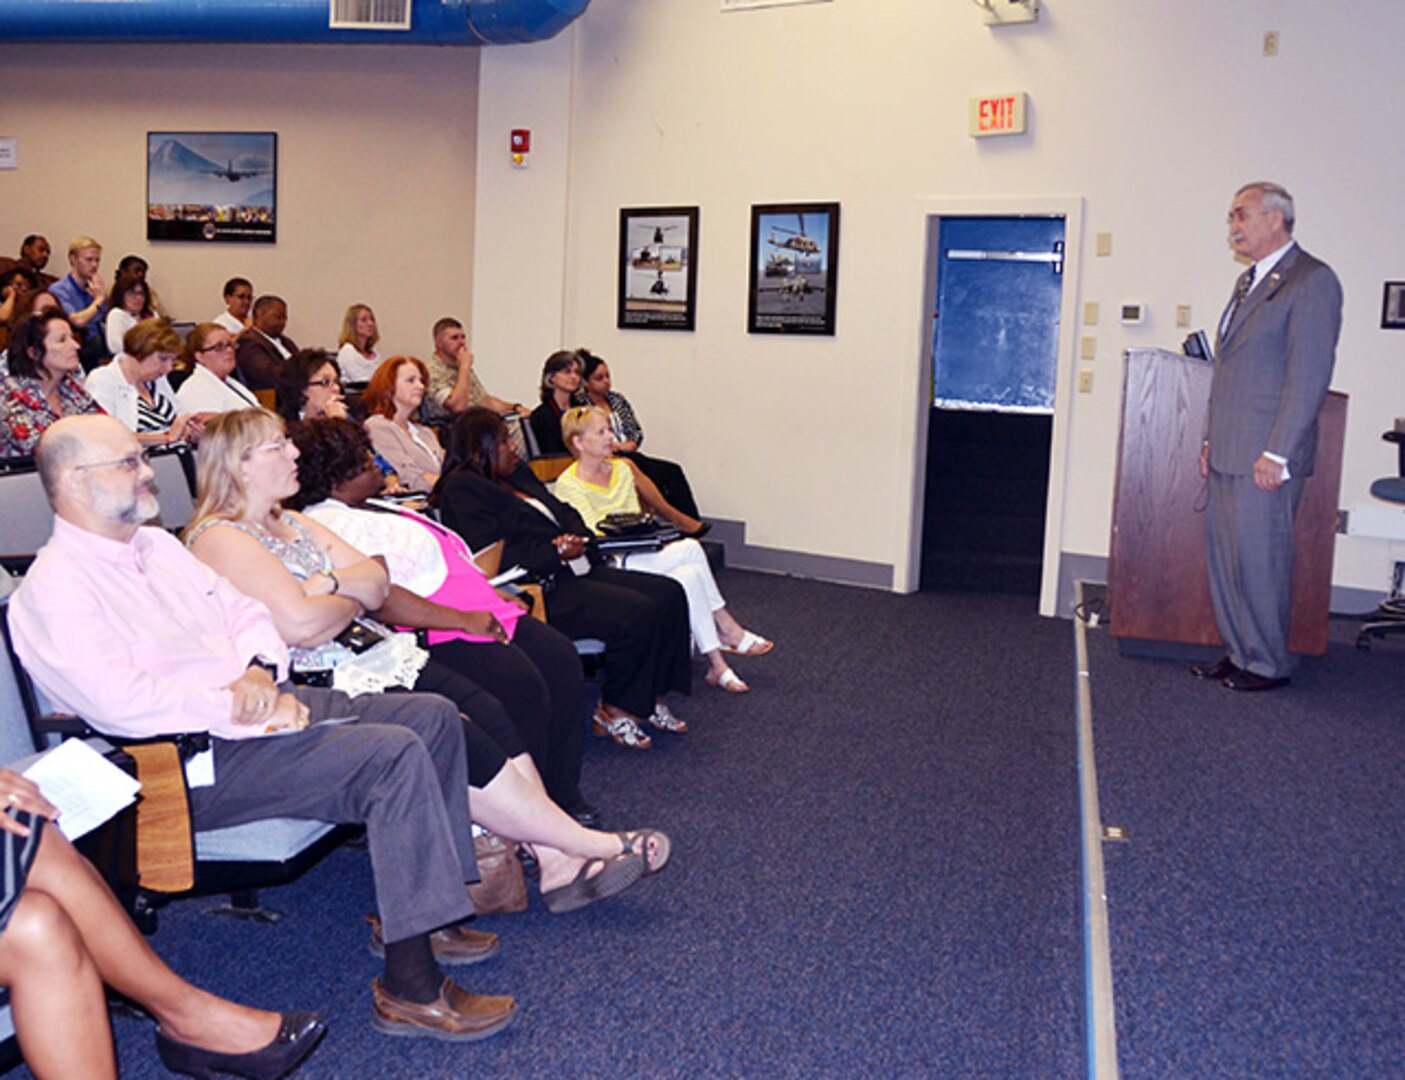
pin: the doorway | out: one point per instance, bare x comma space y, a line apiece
995, 346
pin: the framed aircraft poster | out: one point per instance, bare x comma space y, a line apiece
794, 268
658, 268
220, 186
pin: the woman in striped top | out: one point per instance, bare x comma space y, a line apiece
133, 387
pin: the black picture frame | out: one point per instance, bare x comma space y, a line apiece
658, 268
1393, 306
794, 273
215, 186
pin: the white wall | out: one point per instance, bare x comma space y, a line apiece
375, 176
1152, 113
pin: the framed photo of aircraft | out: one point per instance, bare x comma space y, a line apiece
658, 268
794, 268
220, 186
1393, 306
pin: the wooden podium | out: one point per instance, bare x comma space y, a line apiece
1158, 580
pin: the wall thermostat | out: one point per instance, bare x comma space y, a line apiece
1132, 314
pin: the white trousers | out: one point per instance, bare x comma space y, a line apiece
686, 563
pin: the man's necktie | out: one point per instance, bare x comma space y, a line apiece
1241, 290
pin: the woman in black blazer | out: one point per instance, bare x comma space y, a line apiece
485, 494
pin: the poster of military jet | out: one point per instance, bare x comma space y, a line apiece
794, 268
658, 268
208, 185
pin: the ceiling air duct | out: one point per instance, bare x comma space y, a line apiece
327, 22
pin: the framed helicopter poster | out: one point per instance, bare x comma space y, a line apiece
794, 268
658, 268
212, 185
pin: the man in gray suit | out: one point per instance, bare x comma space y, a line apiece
1273, 364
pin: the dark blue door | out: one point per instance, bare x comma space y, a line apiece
999, 284
995, 361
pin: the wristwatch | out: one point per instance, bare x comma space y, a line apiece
260, 662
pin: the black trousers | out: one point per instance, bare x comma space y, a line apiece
534, 686
489, 736
643, 621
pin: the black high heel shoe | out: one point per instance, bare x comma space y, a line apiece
297, 1036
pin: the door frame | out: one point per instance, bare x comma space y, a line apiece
930, 213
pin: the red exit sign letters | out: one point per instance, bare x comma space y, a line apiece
997, 114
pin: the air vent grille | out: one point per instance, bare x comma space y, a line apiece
370, 14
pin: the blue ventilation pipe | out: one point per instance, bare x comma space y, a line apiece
432, 22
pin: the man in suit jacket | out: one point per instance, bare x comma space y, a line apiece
1273, 364
263, 348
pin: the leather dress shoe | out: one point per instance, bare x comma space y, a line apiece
297, 1036
1248, 680
454, 1016
1220, 670
452, 945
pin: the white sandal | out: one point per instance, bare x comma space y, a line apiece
729, 680
662, 718
750, 645
625, 730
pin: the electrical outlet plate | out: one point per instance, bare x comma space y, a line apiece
1085, 382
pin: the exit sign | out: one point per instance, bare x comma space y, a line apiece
997, 114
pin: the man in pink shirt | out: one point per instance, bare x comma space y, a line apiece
121, 625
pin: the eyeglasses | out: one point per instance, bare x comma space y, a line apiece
131, 463
224, 346
280, 443
326, 383
1240, 213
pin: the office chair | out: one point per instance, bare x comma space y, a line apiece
1389, 618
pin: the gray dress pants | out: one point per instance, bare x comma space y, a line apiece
398, 767
1251, 570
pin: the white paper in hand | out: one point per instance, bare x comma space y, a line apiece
86, 787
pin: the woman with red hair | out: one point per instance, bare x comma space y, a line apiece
392, 397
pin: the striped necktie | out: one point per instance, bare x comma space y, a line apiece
1241, 290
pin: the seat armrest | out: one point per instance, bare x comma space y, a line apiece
165, 845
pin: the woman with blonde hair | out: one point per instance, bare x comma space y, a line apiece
320, 590
133, 386
392, 399
359, 334
598, 484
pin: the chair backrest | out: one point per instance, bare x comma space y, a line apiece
26, 519
16, 736
175, 484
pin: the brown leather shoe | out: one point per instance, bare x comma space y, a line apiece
454, 1016
454, 945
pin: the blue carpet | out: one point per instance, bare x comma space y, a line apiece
1256, 916
875, 873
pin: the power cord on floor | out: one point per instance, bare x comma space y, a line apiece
1092, 611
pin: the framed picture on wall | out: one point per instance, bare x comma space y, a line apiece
658, 268
794, 268
1393, 306
219, 186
